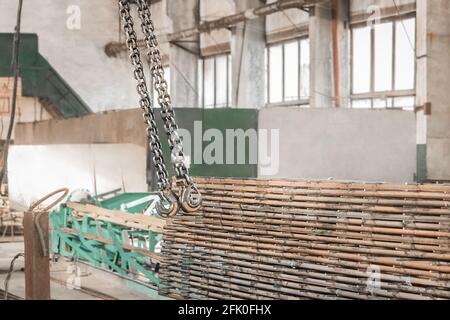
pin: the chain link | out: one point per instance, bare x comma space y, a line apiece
145, 101
164, 99
189, 198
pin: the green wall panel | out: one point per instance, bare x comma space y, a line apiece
197, 122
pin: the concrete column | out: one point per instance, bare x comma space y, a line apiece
184, 54
329, 45
248, 60
433, 77
320, 38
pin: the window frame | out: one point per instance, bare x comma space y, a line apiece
229, 99
284, 102
388, 94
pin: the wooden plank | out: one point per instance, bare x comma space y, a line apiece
138, 221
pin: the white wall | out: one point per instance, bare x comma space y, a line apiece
344, 144
78, 55
35, 171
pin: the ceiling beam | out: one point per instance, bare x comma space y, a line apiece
112, 49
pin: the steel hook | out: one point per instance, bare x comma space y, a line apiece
191, 199
168, 205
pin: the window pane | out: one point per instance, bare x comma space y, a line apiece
390, 102
361, 60
362, 104
405, 54
221, 81
383, 56
209, 82
304, 69
276, 74
291, 69
405, 103
380, 103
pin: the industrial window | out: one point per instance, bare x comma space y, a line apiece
383, 64
215, 77
288, 73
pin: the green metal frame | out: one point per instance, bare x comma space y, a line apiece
113, 257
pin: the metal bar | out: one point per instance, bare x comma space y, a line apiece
282, 239
37, 266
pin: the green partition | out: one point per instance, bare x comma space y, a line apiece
200, 121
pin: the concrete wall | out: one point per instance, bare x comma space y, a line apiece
78, 54
126, 126
97, 168
344, 144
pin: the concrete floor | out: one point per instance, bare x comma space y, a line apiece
95, 284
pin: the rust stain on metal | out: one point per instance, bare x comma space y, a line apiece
335, 8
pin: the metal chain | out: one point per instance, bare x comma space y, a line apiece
164, 99
145, 101
189, 198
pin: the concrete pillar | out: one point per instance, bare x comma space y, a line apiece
320, 38
433, 77
248, 60
329, 45
184, 54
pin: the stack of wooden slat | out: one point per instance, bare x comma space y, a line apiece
261, 239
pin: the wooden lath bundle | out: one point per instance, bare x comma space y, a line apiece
264, 239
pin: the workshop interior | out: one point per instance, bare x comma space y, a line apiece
225, 150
